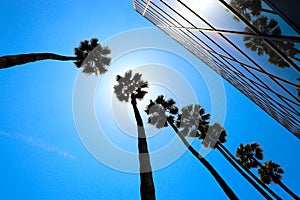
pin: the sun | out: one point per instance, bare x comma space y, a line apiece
201, 5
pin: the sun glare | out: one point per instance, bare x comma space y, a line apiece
201, 5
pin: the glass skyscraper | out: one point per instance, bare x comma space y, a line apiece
253, 44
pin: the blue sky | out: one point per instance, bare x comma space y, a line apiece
42, 155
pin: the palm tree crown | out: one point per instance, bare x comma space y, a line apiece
160, 110
270, 172
213, 136
248, 154
247, 8
92, 57
269, 26
193, 120
129, 86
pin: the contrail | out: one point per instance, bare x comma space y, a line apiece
38, 143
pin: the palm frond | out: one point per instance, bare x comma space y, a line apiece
270, 172
92, 57
129, 86
248, 154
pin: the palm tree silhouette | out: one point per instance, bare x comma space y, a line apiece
92, 49
193, 122
132, 88
269, 172
249, 154
161, 114
214, 139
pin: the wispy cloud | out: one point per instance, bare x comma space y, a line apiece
38, 143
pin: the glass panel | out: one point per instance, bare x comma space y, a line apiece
222, 20
170, 13
285, 28
139, 7
254, 49
265, 57
276, 87
230, 48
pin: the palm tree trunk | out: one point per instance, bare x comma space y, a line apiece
220, 145
290, 192
9, 61
228, 191
251, 181
147, 189
295, 58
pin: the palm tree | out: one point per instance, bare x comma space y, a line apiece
214, 139
236, 164
268, 26
161, 114
92, 49
249, 154
132, 88
269, 172
268, 29
252, 10
193, 123
249, 8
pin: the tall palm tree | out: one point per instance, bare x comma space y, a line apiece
235, 163
193, 122
161, 114
214, 138
269, 172
132, 88
96, 64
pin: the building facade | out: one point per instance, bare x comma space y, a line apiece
250, 43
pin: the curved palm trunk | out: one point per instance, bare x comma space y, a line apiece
223, 150
228, 191
283, 186
147, 186
9, 61
251, 181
